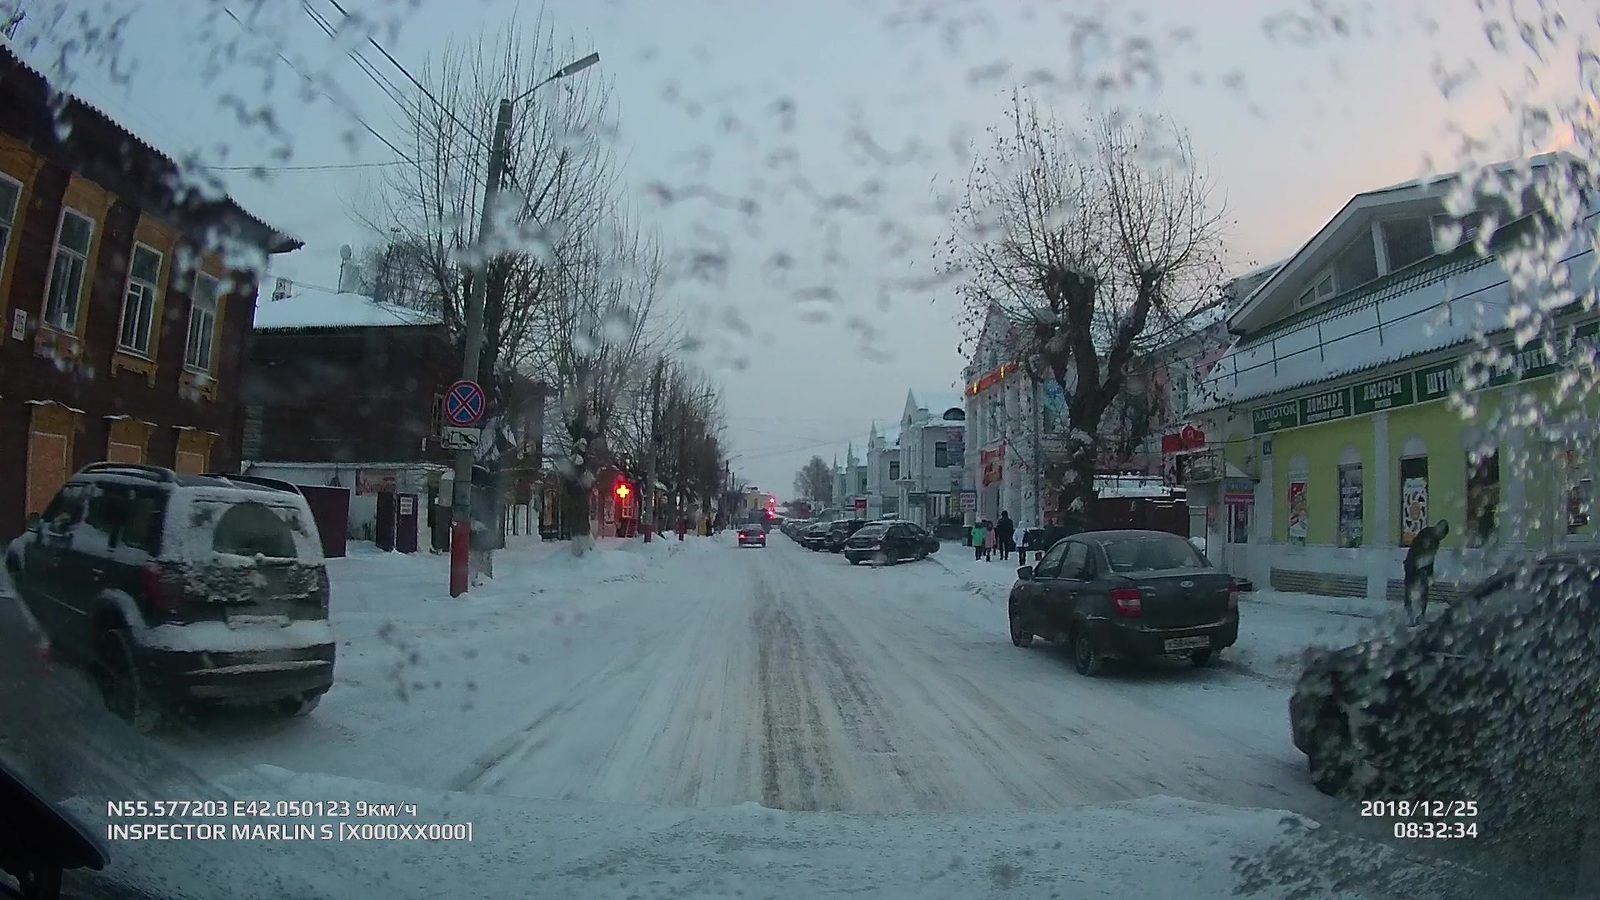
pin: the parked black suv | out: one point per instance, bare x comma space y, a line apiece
174, 588
839, 532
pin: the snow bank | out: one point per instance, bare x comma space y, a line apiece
1154, 848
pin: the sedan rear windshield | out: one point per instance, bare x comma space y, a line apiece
872, 531
1143, 554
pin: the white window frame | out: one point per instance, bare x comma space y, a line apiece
196, 308
10, 223
154, 302
73, 308
1314, 294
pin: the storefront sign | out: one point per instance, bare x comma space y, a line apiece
1383, 393
969, 501
1420, 385
1325, 407
990, 380
1276, 417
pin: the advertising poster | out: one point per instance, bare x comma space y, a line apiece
1413, 498
1299, 520
1350, 510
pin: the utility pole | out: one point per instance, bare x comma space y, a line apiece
461, 512
649, 503
461, 515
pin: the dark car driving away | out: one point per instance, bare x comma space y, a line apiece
752, 536
1125, 595
886, 543
181, 588
1499, 689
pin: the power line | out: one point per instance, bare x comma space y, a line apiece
419, 85
332, 167
362, 63
309, 80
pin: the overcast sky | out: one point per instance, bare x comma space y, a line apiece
876, 101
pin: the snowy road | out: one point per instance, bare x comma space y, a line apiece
719, 676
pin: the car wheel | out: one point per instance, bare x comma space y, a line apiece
125, 689
1020, 637
1203, 658
1331, 753
853, 561
921, 555
882, 559
298, 707
1086, 657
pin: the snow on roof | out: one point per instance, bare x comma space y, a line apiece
311, 307
1435, 309
936, 402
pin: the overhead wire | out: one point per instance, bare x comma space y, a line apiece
309, 80
382, 81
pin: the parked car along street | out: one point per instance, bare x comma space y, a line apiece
1125, 595
1498, 689
181, 588
887, 543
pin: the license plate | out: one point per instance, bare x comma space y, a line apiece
1188, 643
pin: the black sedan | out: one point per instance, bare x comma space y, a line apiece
752, 536
1128, 595
886, 543
813, 536
1499, 689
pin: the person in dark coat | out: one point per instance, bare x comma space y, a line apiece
1418, 567
1005, 532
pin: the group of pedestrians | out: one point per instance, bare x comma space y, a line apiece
989, 536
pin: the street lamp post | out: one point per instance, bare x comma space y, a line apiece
461, 514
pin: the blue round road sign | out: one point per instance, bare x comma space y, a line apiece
463, 404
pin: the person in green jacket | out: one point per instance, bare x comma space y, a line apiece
980, 532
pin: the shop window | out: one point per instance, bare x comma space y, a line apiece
1239, 523
1351, 509
1413, 497
1483, 497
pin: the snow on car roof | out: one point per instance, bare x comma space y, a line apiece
313, 307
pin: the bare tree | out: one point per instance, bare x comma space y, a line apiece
814, 481
594, 329
1090, 250
560, 180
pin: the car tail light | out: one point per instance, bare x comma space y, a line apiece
1128, 601
159, 595
1233, 595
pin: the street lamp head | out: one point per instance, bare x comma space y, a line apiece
574, 68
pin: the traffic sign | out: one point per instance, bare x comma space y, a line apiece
463, 404
454, 438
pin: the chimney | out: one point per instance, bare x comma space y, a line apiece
349, 272
283, 289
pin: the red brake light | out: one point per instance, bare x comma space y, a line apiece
1128, 601
155, 593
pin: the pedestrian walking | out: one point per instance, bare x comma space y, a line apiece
1418, 568
990, 538
980, 532
1006, 535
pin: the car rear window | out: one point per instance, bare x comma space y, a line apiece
872, 531
243, 526
1142, 554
